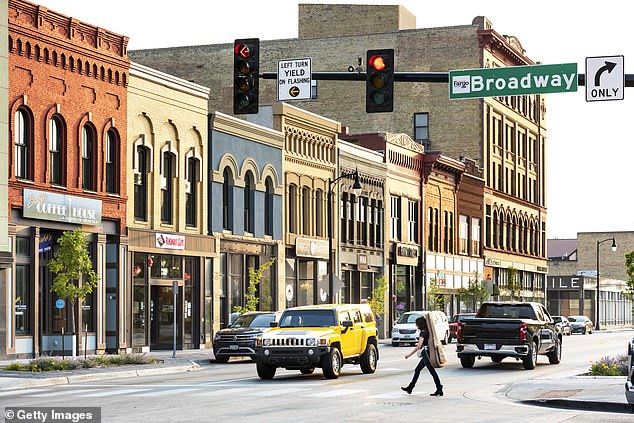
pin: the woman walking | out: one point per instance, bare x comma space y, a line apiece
421, 346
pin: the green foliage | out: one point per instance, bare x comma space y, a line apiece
475, 294
514, 286
434, 299
377, 299
49, 364
610, 366
629, 268
251, 299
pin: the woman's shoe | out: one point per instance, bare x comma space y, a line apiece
408, 388
438, 392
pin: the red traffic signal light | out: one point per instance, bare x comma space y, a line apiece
246, 69
379, 85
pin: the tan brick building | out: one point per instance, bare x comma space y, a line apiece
167, 213
505, 136
67, 169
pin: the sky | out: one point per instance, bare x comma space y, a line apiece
590, 153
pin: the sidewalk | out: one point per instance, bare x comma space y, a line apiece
592, 393
185, 361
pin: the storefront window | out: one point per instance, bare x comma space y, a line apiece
22, 300
165, 266
87, 315
345, 290
366, 285
236, 276
306, 283
266, 290
290, 283
402, 297
139, 304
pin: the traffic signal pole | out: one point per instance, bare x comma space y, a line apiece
411, 77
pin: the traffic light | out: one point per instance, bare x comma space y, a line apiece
379, 81
246, 69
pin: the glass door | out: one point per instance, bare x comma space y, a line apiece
162, 310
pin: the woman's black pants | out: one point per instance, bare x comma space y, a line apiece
424, 362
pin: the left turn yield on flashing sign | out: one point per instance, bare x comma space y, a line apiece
294, 79
605, 78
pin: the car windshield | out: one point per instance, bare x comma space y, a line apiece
576, 319
307, 318
408, 318
507, 311
557, 319
253, 321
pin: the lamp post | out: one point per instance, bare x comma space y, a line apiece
597, 326
356, 189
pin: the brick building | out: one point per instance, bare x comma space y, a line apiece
506, 136
67, 169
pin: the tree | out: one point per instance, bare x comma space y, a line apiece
434, 300
377, 297
74, 278
514, 286
475, 294
251, 299
629, 268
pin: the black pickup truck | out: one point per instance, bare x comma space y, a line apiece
509, 329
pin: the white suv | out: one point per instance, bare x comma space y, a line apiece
405, 330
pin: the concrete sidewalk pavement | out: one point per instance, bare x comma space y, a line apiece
592, 393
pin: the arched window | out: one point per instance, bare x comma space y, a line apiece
292, 208
112, 162
306, 211
140, 184
495, 229
248, 202
88, 161
57, 145
268, 207
191, 192
319, 213
227, 199
23, 144
167, 189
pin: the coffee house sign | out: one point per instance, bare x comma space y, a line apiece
60, 207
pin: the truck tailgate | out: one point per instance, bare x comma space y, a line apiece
480, 330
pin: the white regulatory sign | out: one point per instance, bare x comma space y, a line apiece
294, 79
605, 78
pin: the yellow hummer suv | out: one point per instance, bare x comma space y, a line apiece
325, 336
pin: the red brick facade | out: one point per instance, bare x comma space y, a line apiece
79, 73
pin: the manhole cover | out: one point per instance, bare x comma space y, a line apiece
558, 393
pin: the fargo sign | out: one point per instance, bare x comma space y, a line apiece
512, 80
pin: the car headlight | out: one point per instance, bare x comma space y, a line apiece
310, 342
394, 330
266, 342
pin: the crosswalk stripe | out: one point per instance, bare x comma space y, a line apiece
22, 392
336, 393
105, 393
208, 392
59, 393
164, 392
266, 393
388, 395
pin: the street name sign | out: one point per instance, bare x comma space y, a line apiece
605, 78
294, 79
512, 80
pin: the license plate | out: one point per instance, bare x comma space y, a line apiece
233, 347
490, 347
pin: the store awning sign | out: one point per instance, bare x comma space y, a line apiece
170, 241
60, 207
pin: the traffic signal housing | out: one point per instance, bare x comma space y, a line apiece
246, 78
379, 81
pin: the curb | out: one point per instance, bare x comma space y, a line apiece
610, 407
60, 380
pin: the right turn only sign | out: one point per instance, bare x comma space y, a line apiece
605, 78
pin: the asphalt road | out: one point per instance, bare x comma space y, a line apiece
233, 392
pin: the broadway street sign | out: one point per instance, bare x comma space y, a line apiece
512, 80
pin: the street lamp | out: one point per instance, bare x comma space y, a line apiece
598, 275
356, 189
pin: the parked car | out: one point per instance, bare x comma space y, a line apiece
326, 336
453, 324
238, 340
405, 331
580, 324
563, 324
509, 329
629, 387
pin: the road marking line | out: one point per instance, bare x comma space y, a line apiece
23, 392
59, 393
103, 393
279, 391
336, 393
389, 395
209, 393
163, 392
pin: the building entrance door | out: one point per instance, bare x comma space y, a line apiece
162, 310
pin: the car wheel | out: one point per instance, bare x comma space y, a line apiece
307, 371
368, 359
265, 371
554, 357
467, 361
222, 358
497, 359
331, 365
445, 341
450, 339
531, 359
583, 332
